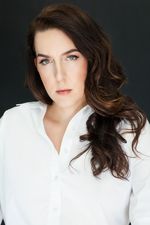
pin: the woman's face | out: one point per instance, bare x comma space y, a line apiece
60, 66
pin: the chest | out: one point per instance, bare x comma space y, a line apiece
55, 132
30, 179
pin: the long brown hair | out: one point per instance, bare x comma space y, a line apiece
104, 80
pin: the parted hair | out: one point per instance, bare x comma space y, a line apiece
103, 83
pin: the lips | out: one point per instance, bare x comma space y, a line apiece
64, 92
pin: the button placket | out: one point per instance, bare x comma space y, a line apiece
55, 193
55, 198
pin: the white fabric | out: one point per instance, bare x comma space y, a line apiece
37, 186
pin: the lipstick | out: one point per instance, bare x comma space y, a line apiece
63, 91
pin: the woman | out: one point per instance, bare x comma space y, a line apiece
80, 153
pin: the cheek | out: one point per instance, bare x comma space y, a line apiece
79, 79
46, 80
83, 72
43, 73
85, 66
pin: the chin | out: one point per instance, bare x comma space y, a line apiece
66, 104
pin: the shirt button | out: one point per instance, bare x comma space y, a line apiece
55, 177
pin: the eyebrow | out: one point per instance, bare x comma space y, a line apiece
65, 53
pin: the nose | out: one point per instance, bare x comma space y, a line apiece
59, 71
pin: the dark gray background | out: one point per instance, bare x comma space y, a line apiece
127, 23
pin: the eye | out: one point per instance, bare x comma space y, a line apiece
44, 61
72, 57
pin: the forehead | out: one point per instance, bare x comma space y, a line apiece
52, 40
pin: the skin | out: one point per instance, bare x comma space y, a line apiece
60, 71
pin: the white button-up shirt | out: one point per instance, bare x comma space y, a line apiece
38, 187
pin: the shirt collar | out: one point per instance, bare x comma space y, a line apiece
77, 120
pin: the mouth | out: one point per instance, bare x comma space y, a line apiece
64, 91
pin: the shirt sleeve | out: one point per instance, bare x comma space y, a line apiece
139, 209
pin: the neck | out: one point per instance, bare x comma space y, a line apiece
62, 115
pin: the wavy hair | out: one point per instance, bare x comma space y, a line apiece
103, 84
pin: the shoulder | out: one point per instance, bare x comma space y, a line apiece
22, 107
19, 113
143, 144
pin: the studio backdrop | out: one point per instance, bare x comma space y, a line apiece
126, 22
